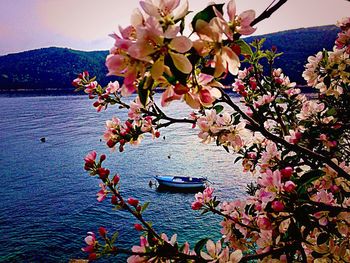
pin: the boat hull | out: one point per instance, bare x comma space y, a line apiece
181, 182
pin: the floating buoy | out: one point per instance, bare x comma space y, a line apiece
43, 139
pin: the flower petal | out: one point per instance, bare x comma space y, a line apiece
232, 60
181, 62
182, 11
150, 9
181, 44
157, 68
236, 256
231, 10
210, 247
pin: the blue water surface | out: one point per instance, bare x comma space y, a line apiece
48, 202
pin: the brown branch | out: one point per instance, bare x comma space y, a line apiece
277, 251
292, 147
268, 12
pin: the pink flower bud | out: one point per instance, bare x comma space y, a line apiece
277, 206
252, 84
133, 202
103, 173
334, 188
263, 223
138, 227
96, 104
244, 94
236, 49
111, 143
116, 179
157, 134
278, 80
196, 205
114, 200
92, 256
121, 148
289, 186
287, 172
102, 231
102, 158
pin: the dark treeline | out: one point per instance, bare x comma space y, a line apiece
53, 69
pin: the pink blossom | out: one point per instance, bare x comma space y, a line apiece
90, 88
213, 250
287, 172
323, 196
112, 87
263, 223
102, 194
202, 198
265, 99
90, 159
278, 206
210, 35
133, 202
90, 240
240, 23
141, 249
289, 186
309, 109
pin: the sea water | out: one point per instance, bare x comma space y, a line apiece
48, 202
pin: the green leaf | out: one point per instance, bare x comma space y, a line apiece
143, 92
144, 207
114, 237
200, 244
226, 148
206, 14
178, 75
308, 178
245, 48
218, 108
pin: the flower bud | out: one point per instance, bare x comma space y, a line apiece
133, 202
102, 158
116, 179
138, 227
103, 173
114, 200
289, 186
103, 232
121, 148
334, 188
157, 134
278, 206
263, 223
196, 205
111, 143
287, 172
92, 256
96, 104
236, 49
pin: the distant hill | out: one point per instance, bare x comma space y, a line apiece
53, 69
297, 45
49, 69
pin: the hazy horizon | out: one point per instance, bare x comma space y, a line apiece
85, 24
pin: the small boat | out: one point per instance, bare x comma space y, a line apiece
181, 182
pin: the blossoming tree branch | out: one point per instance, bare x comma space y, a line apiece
298, 148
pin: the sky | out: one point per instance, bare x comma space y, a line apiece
85, 24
